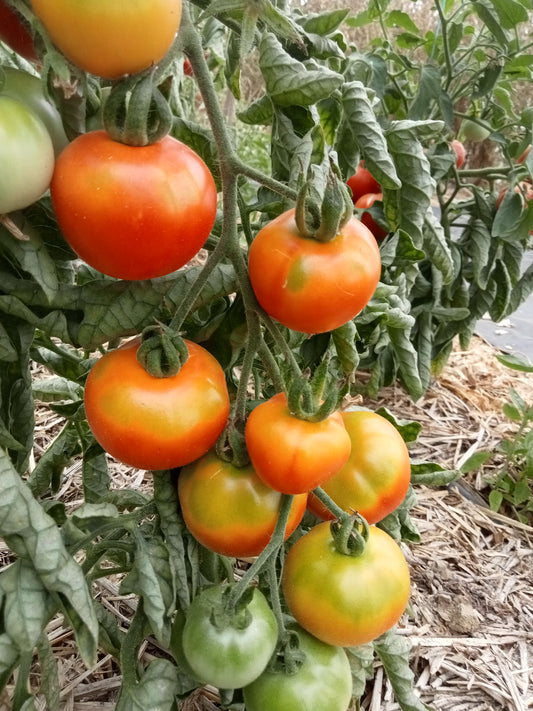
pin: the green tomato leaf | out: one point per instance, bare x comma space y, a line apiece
288, 81
27, 606
368, 135
393, 651
324, 23
515, 362
432, 474
50, 686
23, 520
156, 690
485, 12
436, 244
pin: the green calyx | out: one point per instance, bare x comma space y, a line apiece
350, 534
307, 397
322, 216
231, 445
136, 112
162, 352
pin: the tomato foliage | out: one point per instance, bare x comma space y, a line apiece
218, 231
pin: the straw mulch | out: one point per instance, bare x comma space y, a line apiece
470, 620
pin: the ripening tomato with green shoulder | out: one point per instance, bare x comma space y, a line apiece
342, 599
111, 38
156, 423
228, 509
308, 285
362, 183
376, 477
27, 88
133, 212
322, 682
15, 33
26, 156
364, 203
290, 454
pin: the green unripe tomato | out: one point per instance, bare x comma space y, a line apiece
26, 156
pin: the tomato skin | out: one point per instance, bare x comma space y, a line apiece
111, 38
27, 89
26, 156
312, 286
133, 212
345, 600
322, 683
304, 455
14, 33
460, 152
364, 203
156, 423
228, 658
376, 477
229, 509
362, 183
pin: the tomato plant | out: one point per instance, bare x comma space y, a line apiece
229, 509
362, 183
342, 599
322, 681
364, 203
133, 212
111, 39
224, 650
313, 286
473, 130
306, 454
27, 89
14, 32
523, 155
376, 477
156, 423
26, 156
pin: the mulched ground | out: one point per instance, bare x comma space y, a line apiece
470, 620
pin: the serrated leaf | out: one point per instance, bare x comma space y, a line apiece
499, 307
361, 660
393, 650
26, 604
407, 361
288, 81
56, 388
49, 676
399, 524
368, 135
474, 462
22, 517
156, 690
47, 472
428, 91
436, 244
259, 112
32, 256
486, 14
409, 429
153, 582
344, 339
515, 362
323, 23
173, 529
415, 172
432, 474
511, 13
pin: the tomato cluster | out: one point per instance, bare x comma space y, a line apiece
139, 212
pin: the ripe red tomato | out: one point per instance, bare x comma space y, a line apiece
341, 599
156, 423
111, 39
14, 33
376, 477
312, 286
362, 183
364, 203
133, 212
229, 509
293, 455
460, 152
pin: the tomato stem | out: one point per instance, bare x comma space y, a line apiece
273, 546
329, 503
130, 648
350, 534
